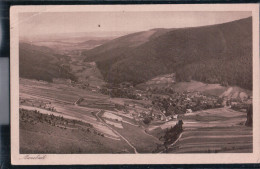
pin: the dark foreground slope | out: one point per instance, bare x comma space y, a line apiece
49, 134
213, 54
42, 63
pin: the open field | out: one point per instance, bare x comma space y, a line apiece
214, 131
210, 89
135, 134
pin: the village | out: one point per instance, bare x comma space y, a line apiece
166, 108
165, 104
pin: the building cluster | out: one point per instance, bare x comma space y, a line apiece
185, 102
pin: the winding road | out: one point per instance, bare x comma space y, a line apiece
116, 132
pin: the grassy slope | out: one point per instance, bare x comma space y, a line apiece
216, 130
143, 142
211, 89
41, 137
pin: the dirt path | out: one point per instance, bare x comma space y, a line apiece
76, 102
145, 132
173, 143
116, 132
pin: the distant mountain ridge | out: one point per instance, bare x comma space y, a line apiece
213, 54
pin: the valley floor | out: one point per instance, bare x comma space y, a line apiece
111, 130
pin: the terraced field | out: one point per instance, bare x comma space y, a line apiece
210, 131
83, 105
58, 92
62, 98
214, 131
97, 103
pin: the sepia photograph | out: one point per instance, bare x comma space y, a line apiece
134, 80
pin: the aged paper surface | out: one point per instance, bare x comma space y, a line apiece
135, 84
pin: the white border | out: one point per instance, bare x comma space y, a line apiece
56, 159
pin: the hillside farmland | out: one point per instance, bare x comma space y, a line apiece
214, 131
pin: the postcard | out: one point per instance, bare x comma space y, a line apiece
134, 84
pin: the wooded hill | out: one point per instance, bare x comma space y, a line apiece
42, 63
213, 54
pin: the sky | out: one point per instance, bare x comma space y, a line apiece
31, 24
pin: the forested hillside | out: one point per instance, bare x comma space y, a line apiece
42, 63
213, 54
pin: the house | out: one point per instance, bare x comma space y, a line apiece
168, 118
131, 105
233, 103
188, 111
188, 99
175, 116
